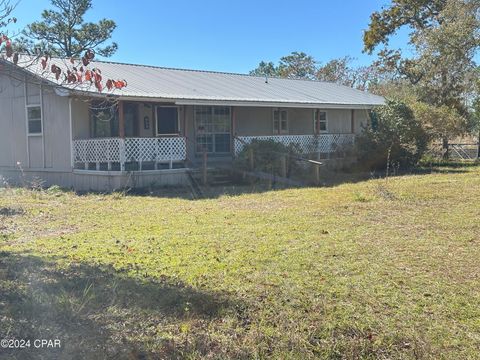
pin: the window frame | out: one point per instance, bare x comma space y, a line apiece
33, 105
316, 122
212, 134
280, 131
179, 130
27, 107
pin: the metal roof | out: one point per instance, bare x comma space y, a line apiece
195, 86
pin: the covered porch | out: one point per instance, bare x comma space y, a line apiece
124, 136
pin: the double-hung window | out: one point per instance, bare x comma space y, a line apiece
34, 117
280, 121
320, 121
33, 103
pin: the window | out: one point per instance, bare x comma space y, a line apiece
34, 116
213, 129
104, 119
320, 121
280, 121
167, 120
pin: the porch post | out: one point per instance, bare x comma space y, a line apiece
353, 121
121, 120
72, 145
234, 129
121, 134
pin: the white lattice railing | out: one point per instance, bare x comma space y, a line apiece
139, 150
324, 143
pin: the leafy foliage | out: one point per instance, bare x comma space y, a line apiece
6, 8
444, 38
395, 137
439, 121
76, 72
267, 157
474, 118
418, 14
265, 69
299, 65
64, 33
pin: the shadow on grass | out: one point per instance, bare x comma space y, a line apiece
11, 211
99, 314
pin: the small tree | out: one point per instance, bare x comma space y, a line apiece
441, 122
395, 137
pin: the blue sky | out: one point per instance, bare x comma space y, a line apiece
231, 35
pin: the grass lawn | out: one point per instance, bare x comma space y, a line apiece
371, 270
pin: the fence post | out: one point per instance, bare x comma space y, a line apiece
122, 154
283, 161
204, 168
445, 148
251, 158
170, 149
317, 174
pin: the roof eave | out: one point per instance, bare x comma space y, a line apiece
228, 102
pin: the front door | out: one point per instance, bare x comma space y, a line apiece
130, 113
213, 129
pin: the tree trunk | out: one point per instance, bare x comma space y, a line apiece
446, 153
478, 153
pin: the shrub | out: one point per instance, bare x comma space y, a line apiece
267, 157
395, 135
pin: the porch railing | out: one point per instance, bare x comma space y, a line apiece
324, 143
111, 151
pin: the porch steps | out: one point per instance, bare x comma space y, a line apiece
194, 185
216, 176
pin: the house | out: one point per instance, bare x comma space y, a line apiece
159, 125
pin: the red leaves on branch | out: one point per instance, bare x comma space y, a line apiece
56, 70
118, 84
71, 75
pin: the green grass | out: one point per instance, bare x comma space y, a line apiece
370, 270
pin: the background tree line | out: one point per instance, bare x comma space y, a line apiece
437, 79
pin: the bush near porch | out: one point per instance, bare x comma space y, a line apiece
269, 156
395, 138
368, 270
